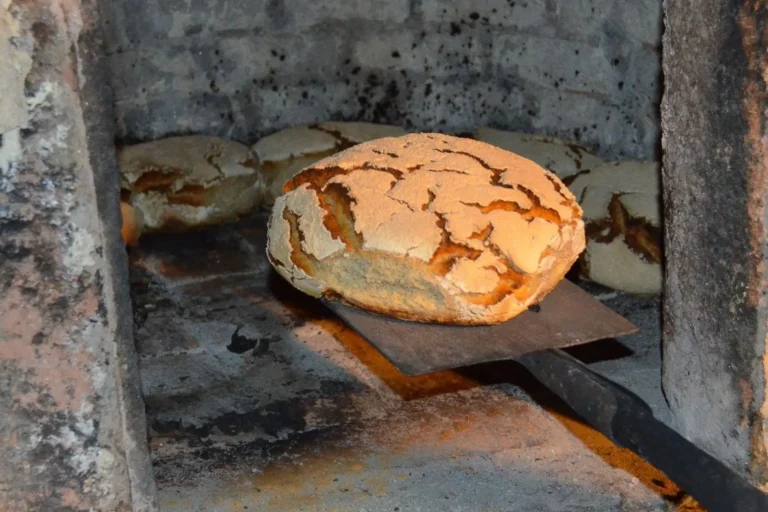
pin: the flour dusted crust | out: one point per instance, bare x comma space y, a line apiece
562, 157
426, 227
283, 154
622, 212
190, 181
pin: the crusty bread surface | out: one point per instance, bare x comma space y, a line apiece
563, 157
286, 152
190, 181
427, 227
622, 213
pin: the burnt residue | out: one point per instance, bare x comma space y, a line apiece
273, 419
240, 344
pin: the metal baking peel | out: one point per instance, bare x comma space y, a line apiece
566, 317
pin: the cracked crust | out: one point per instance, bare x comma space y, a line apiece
189, 181
427, 227
283, 154
562, 157
622, 212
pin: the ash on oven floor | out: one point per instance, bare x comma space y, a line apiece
258, 399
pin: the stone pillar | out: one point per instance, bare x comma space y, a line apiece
715, 183
72, 427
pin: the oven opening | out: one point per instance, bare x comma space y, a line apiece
146, 146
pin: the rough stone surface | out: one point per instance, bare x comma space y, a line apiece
585, 70
72, 427
715, 188
258, 398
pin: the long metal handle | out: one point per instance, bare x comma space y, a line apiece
628, 421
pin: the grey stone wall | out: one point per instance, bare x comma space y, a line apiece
583, 69
715, 178
72, 424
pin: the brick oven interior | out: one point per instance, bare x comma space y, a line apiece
255, 396
258, 398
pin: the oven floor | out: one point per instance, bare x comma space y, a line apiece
258, 399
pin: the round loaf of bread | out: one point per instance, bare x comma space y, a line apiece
622, 213
283, 154
190, 181
426, 227
563, 157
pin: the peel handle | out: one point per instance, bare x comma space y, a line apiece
628, 421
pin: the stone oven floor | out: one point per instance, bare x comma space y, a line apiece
259, 400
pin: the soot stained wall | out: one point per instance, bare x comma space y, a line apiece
583, 69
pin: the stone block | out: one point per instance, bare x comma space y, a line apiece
607, 21
292, 105
617, 131
451, 106
558, 64
433, 53
151, 24
305, 14
154, 71
169, 114
72, 418
532, 14
715, 186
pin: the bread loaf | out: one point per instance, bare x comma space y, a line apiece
285, 153
622, 212
191, 181
562, 157
426, 227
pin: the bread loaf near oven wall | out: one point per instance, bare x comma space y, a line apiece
427, 227
622, 212
563, 157
284, 153
622, 208
191, 181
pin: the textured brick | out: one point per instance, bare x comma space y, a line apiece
609, 21
290, 105
71, 416
455, 107
557, 64
369, 60
433, 53
133, 23
162, 115
308, 13
715, 183
522, 15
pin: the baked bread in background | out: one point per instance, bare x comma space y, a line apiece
191, 181
427, 227
284, 153
622, 212
562, 157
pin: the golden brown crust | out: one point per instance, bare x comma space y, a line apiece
185, 182
286, 152
427, 227
622, 212
563, 157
